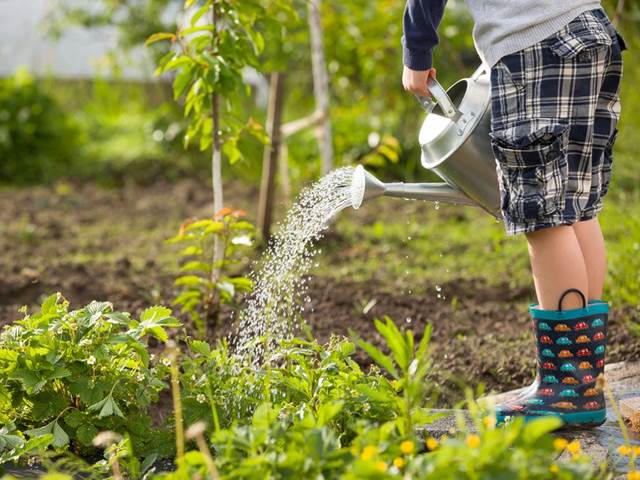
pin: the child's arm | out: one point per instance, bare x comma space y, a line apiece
421, 19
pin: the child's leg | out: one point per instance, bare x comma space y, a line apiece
593, 250
558, 264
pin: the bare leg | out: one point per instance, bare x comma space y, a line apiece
558, 265
594, 252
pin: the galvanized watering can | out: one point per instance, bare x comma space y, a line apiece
455, 144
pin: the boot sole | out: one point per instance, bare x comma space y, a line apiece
570, 421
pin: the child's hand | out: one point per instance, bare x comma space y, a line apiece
415, 81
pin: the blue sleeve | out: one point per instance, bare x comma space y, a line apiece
421, 20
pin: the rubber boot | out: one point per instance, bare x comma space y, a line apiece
570, 356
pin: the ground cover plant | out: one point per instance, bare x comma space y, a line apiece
309, 410
89, 391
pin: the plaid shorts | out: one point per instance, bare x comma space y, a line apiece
555, 107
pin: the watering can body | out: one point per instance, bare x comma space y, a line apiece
455, 144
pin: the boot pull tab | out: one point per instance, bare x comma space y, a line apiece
572, 290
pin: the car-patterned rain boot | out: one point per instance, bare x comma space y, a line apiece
570, 352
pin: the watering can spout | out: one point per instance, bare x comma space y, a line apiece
365, 186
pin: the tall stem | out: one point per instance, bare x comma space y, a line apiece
320, 85
216, 156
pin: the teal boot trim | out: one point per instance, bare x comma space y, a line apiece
595, 418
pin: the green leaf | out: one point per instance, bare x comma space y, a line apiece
49, 305
196, 29
74, 418
60, 437
395, 342
106, 407
328, 411
188, 281
36, 432
86, 433
538, 427
157, 37
183, 80
198, 346
380, 358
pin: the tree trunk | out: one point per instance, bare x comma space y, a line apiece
320, 85
283, 173
271, 151
216, 164
216, 157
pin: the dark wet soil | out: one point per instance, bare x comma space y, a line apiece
91, 244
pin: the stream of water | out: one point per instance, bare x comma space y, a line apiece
275, 306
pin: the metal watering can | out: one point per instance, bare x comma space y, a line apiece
455, 144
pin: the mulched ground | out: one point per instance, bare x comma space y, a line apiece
90, 243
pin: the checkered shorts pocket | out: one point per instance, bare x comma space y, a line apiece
532, 168
581, 36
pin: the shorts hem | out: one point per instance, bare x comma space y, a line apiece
515, 228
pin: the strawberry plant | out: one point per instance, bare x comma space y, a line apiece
69, 374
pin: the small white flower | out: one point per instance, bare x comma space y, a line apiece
201, 398
166, 362
152, 357
91, 360
140, 377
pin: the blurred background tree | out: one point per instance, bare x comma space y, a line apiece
374, 121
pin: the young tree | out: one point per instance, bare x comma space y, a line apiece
208, 55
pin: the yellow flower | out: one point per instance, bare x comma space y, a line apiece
635, 475
574, 447
381, 466
432, 443
560, 444
398, 462
554, 468
624, 450
489, 422
473, 441
407, 447
636, 451
369, 452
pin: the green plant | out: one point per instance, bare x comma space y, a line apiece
203, 293
311, 412
408, 366
37, 137
223, 38
70, 374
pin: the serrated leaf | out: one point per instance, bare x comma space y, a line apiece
86, 433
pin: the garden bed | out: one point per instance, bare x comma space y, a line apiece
90, 243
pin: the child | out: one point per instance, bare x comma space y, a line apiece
555, 70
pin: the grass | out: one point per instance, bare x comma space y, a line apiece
413, 244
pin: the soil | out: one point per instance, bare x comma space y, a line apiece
90, 243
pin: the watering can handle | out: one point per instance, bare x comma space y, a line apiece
441, 98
